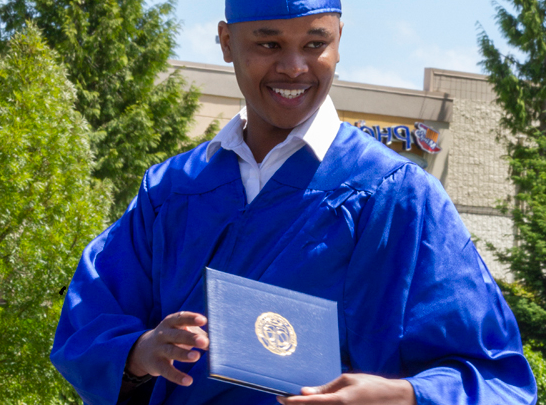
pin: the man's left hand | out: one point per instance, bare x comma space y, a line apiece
356, 389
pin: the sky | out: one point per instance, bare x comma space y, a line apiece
384, 42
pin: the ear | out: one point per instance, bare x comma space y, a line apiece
224, 33
341, 24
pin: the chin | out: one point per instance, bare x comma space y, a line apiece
288, 124
291, 121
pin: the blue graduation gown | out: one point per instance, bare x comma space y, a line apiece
365, 228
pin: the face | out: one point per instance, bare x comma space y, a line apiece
284, 67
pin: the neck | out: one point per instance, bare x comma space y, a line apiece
262, 138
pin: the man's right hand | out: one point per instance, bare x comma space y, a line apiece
173, 339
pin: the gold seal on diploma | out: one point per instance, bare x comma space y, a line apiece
276, 334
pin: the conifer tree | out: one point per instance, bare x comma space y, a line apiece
520, 84
50, 208
115, 51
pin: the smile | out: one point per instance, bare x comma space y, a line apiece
289, 94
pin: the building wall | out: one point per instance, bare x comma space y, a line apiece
478, 172
213, 108
459, 85
496, 230
477, 175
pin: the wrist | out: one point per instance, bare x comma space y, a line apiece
135, 380
133, 364
404, 391
135, 370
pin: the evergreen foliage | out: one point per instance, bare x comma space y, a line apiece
50, 208
520, 84
114, 52
521, 90
538, 364
530, 314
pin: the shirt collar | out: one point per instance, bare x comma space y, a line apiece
318, 131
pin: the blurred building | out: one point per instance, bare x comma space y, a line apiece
459, 106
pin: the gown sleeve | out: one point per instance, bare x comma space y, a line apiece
108, 305
420, 303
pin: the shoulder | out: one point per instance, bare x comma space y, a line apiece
162, 179
372, 164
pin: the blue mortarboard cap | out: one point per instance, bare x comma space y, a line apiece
255, 10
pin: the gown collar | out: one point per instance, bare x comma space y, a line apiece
318, 132
302, 170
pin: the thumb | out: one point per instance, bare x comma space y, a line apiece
331, 387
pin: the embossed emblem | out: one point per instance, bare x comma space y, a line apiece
276, 334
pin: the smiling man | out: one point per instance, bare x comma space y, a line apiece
284, 70
288, 195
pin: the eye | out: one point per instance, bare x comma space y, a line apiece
269, 45
315, 45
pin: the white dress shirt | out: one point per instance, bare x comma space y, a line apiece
318, 132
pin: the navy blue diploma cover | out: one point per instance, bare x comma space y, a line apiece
269, 338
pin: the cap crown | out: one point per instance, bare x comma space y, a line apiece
255, 10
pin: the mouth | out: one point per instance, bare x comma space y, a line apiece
289, 94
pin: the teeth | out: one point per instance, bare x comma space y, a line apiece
289, 93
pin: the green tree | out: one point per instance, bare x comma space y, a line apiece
520, 85
50, 207
114, 51
538, 364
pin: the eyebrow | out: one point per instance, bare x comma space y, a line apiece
267, 32
321, 32
270, 32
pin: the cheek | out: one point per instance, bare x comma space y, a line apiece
325, 69
254, 70
326, 64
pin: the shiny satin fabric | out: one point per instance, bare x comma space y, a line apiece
366, 228
252, 10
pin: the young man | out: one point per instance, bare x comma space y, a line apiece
288, 195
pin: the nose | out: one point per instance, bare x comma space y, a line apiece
292, 64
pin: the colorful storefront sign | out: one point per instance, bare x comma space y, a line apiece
425, 137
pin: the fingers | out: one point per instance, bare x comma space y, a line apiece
342, 381
184, 318
327, 394
183, 328
201, 338
326, 399
172, 340
184, 338
168, 371
162, 363
356, 389
172, 352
